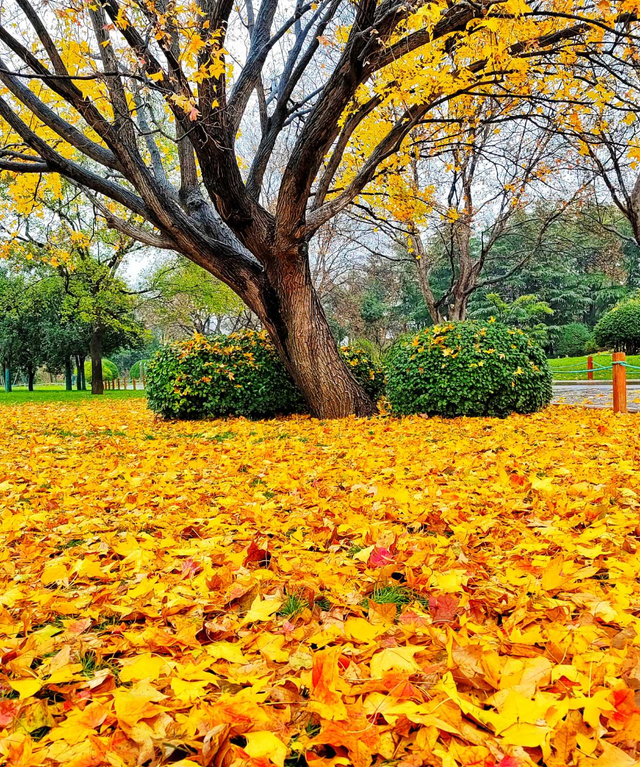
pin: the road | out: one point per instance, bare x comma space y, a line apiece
594, 395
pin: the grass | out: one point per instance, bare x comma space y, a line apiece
21, 395
580, 363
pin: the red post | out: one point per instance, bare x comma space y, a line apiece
619, 383
590, 368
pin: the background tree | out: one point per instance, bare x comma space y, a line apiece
183, 300
28, 309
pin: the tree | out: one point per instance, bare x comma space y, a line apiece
348, 84
463, 194
185, 300
84, 260
98, 298
28, 308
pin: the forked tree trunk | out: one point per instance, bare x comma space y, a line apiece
95, 350
294, 317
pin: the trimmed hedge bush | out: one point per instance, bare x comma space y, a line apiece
468, 368
619, 329
239, 374
109, 370
365, 369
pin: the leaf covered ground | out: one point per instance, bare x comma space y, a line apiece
404, 592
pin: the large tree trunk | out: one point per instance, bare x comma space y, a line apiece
31, 377
293, 315
95, 350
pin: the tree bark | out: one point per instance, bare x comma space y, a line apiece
424, 266
68, 374
81, 384
295, 320
95, 350
31, 377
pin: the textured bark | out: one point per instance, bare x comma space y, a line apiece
424, 267
95, 350
293, 315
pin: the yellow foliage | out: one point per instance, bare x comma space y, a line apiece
420, 591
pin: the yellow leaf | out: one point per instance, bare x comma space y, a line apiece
53, 573
229, 651
262, 609
26, 687
360, 630
145, 666
265, 744
394, 659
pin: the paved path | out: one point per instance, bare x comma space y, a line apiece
594, 395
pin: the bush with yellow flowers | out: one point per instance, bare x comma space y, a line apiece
236, 374
468, 368
365, 369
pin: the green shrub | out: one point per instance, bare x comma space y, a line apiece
238, 374
619, 329
139, 369
571, 340
468, 368
366, 370
109, 370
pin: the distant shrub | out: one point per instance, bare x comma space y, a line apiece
468, 368
619, 329
109, 370
239, 374
366, 370
590, 346
571, 340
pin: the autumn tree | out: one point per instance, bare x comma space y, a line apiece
140, 104
182, 300
84, 262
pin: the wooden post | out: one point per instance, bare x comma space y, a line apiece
619, 383
590, 368
133, 381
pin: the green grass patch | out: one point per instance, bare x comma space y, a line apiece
21, 395
580, 363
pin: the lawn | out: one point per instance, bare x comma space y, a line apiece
580, 363
297, 592
21, 394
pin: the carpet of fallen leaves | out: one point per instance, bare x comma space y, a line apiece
405, 592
